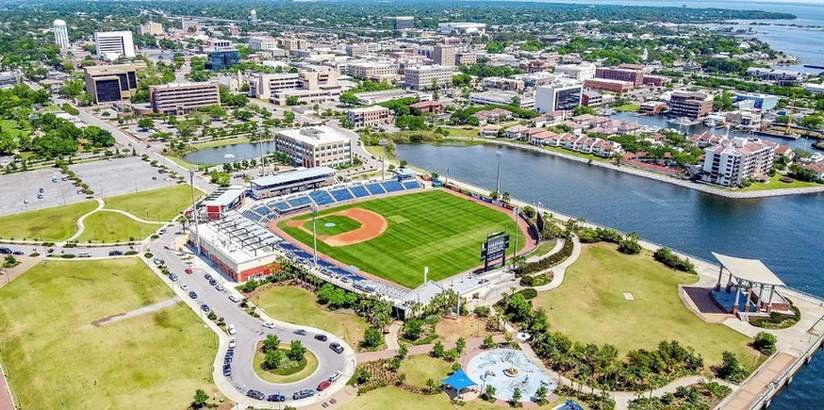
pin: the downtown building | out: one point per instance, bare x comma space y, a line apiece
61, 35
311, 85
110, 83
183, 98
561, 95
403, 22
374, 116
427, 77
111, 45
689, 104
319, 146
732, 162
636, 77
372, 70
443, 54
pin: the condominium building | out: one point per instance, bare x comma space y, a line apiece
111, 83
151, 28
263, 43
315, 146
61, 35
443, 54
561, 95
605, 84
182, 98
762, 102
636, 77
689, 104
112, 45
427, 77
580, 72
404, 22
372, 70
732, 162
373, 116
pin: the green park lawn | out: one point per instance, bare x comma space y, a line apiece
590, 307
155, 205
290, 371
103, 226
431, 228
418, 369
340, 224
776, 183
395, 397
55, 357
298, 306
48, 224
628, 108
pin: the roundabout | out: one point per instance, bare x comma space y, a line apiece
288, 371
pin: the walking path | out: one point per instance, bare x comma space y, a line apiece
559, 271
80, 221
137, 312
132, 217
6, 398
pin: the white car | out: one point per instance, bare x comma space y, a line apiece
234, 298
334, 377
269, 325
184, 286
232, 330
232, 344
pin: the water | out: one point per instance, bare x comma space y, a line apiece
487, 368
787, 233
217, 155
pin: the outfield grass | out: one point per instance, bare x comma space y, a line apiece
298, 306
103, 226
341, 224
52, 224
431, 228
420, 368
162, 204
55, 358
297, 372
590, 307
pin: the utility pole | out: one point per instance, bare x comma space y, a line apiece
315, 234
194, 208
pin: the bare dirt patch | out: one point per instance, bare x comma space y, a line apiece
373, 225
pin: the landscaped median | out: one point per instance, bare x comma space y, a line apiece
283, 363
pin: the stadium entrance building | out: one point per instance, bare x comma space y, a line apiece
216, 206
291, 181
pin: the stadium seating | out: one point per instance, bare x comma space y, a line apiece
392, 186
375, 188
412, 184
321, 197
299, 201
250, 215
281, 206
341, 194
359, 191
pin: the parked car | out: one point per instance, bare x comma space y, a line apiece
320, 336
269, 325
207, 276
204, 307
300, 332
212, 282
184, 286
173, 277
234, 298
115, 253
336, 347
255, 394
6, 251
19, 253
84, 255
335, 376
276, 397
302, 394
188, 270
193, 294
219, 288
232, 344
324, 385
232, 330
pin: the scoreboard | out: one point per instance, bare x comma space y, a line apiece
494, 248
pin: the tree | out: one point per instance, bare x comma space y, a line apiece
540, 395
273, 359
723, 101
145, 123
730, 368
438, 349
412, 329
765, 343
371, 338
528, 211
271, 343
489, 343
200, 399
516, 397
292, 100
489, 393
362, 375
629, 244
296, 351
460, 345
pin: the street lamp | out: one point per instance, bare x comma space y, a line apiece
194, 208
498, 154
315, 234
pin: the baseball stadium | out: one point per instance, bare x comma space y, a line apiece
394, 237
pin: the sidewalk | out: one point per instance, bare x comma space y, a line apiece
6, 399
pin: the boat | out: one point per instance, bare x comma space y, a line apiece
229, 156
682, 122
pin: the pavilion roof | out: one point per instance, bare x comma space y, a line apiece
752, 270
459, 380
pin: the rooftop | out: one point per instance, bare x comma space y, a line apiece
291, 176
239, 239
315, 136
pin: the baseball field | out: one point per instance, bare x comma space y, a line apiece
396, 237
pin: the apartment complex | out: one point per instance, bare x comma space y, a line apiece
112, 45
315, 146
443, 54
689, 104
111, 83
561, 95
605, 84
732, 162
182, 98
374, 116
262, 43
427, 77
357, 50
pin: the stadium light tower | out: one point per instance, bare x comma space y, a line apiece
498, 154
194, 208
315, 234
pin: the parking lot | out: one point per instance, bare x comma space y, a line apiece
120, 176
20, 191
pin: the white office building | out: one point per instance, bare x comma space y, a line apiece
427, 77
580, 72
315, 146
561, 95
112, 45
461, 28
61, 35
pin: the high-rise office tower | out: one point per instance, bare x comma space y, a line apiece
61, 35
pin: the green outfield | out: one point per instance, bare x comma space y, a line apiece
432, 228
333, 224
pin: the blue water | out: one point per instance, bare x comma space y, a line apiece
787, 233
239, 152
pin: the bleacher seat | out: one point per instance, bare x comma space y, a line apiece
392, 186
375, 188
341, 194
411, 184
251, 215
281, 206
359, 191
321, 197
299, 201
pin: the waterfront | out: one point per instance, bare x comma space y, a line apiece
238, 152
785, 232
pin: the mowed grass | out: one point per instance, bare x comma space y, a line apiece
431, 228
396, 398
51, 224
155, 205
340, 224
103, 226
55, 358
418, 369
590, 307
301, 370
298, 306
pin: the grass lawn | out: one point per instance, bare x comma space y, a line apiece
628, 108
290, 371
155, 205
53, 224
420, 368
590, 307
776, 183
12, 128
103, 226
462, 132
544, 248
431, 228
220, 143
391, 397
340, 224
55, 358
298, 306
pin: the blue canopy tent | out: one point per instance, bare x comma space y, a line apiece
458, 381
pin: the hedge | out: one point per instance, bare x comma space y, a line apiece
550, 260
667, 257
528, 293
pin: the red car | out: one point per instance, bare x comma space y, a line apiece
188, 270
324, 385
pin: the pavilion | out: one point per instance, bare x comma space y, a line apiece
753, 278
458, 382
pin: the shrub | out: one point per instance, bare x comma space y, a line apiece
371, 338
730, 368
528, 293
550, 260
668, 258
482, 311
764, 343
67, 256
629, 245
